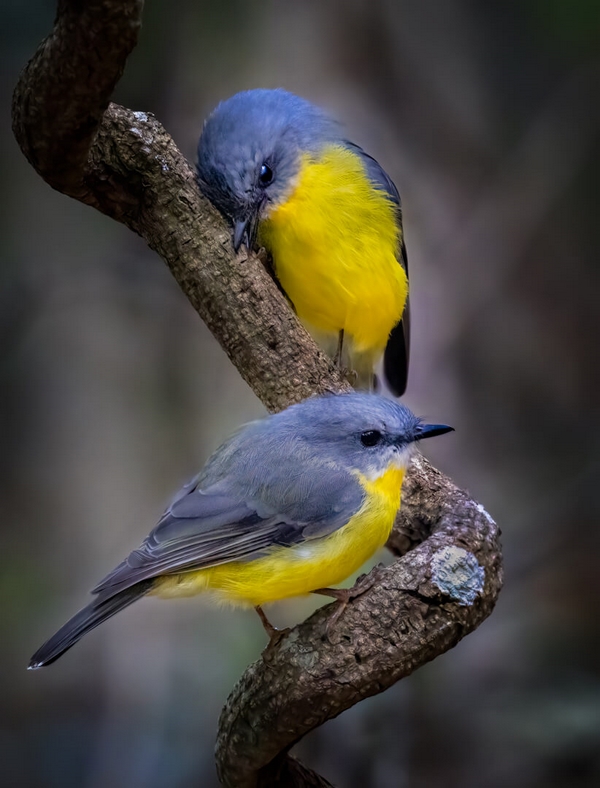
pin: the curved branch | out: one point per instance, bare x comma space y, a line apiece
126, 165
417, 608
65, 88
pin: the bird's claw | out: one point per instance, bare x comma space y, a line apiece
344, 596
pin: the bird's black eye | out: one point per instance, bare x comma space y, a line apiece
266, 175
370, 438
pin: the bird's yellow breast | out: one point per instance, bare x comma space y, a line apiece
334, 244
298, 570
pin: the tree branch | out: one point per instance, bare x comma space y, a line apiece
126, 165
419, 607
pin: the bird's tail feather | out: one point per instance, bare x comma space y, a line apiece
83, 622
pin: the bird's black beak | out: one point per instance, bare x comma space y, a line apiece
240, 234
430, 430
245, 230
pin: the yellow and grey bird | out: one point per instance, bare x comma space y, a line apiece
291, 504
286, 176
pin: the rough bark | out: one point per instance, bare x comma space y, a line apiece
416, 609
126, 165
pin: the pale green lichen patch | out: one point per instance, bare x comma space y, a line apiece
457, 574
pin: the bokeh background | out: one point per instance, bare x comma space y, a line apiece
113, 393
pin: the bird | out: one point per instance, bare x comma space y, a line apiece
328, 215
291, 504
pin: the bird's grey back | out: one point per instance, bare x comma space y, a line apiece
304, 444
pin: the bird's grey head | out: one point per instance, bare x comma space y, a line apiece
249, 153
365, 432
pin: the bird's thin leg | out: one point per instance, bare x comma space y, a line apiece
363, 583
345, 595
273, 633
337, 359
349, 374
341, 594
269, 628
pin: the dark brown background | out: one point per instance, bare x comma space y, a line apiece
112, 392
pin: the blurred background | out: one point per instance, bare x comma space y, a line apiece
113, 392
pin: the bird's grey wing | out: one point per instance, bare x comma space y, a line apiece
376, 173
397, 351
203, 528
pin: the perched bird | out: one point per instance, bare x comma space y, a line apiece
283, 172
290, 505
